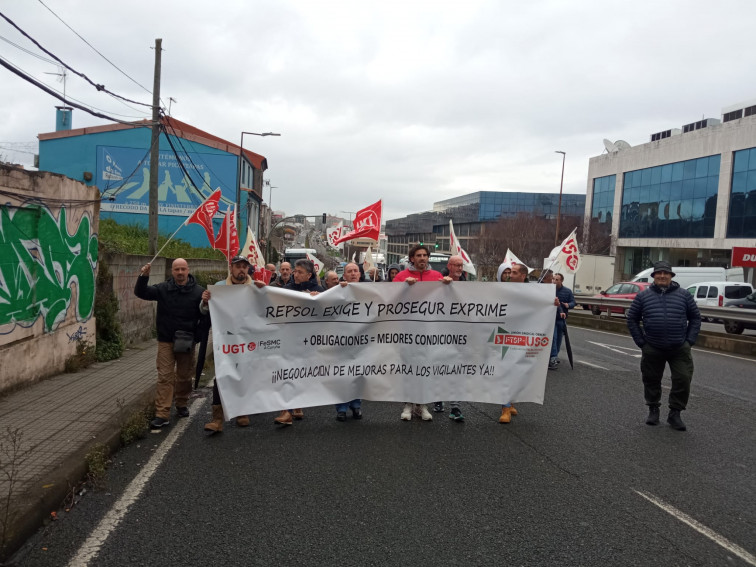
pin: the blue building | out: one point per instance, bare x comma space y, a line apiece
193, 164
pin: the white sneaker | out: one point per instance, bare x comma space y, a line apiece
407, 412
421, 410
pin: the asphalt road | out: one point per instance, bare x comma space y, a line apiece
580, 480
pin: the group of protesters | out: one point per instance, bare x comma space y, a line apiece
182, 305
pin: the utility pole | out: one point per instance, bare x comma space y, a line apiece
154, 154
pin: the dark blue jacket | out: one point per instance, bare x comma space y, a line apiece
308, 286
565, 296
670, 317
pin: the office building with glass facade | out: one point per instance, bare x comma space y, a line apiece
687, 198
469, 213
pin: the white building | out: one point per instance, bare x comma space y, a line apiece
687, 196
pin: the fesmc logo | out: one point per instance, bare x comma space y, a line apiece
505, 339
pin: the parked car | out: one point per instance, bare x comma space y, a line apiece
736, 327
622, 290
716, 294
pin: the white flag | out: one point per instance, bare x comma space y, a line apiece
317, 263
367, 263
512, 259
455, 248
566, 256
333, 233
252, 251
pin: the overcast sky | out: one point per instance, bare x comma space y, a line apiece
410, 101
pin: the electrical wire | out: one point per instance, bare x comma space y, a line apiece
96, 51
51, 92
28, 51
82, 75
181, 165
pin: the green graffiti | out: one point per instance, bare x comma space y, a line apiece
39, 262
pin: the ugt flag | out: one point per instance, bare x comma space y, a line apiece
455, 248
204, 214
367, 224
251, 250
228, 237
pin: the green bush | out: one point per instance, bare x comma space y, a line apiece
85, 356
109, 335
134, 239
209, 278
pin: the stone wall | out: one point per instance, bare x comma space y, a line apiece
48, 271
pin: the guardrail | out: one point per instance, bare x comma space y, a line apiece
719, 313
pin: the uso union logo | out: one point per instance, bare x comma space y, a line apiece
501, 338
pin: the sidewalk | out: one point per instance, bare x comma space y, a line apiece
60, 419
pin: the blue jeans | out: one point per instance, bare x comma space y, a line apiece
354, 404
556, 344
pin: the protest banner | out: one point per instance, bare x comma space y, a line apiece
483, 342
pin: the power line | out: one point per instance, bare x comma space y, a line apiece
28, 51
82, 75
51, 92
95, 50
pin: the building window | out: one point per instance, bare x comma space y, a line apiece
734, 115
676, 200
602, 203
741, 221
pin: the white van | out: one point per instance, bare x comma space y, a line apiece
714, 294
687, 276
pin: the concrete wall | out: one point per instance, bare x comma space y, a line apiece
137, 317
48, 270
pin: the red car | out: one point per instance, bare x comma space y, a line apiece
622, 290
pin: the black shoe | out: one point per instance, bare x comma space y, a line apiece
653, 415
553, 365
341, 416
182, 412
456, 414
159, 422
675, 421
438, 407
356, 413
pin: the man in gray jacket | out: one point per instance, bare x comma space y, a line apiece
671, 322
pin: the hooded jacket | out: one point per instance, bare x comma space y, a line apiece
670, 317
396, 267
177, 306
503, 266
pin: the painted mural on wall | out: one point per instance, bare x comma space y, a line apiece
123, 175
39, 263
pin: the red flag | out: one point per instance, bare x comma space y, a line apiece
204, 214
367, 223
228, 237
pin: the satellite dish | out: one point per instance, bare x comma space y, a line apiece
610, 147
622, 145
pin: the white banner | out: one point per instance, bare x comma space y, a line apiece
475, 341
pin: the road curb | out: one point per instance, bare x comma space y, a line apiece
32, 509
731, 344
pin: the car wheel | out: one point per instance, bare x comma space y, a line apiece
733, 327
595, 309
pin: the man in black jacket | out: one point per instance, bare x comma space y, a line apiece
178, 313
671, 322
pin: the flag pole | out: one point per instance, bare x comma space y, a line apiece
574, 231
166, 242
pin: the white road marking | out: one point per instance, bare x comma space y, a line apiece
619, 349
90, 548
591, 365
698, 350
700, 528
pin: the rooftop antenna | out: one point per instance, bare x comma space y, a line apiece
610, 147
170, 101
61, 74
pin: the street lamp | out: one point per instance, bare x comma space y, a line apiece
241, 151
350, 213
559, 210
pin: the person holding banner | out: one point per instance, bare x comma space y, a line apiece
351, 275
561, 315
178, 316
272, 269
419, 271
303, 279
331, 280
455, 270
239, 276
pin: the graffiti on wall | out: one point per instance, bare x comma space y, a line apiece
40, 263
